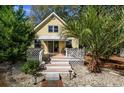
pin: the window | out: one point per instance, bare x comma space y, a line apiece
53, 28
50, 28
69, 44
37, 43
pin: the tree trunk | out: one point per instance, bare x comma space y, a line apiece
94, 65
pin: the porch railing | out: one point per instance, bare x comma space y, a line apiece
35, 54
76, 55
75, 52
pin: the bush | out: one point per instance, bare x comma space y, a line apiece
30, 67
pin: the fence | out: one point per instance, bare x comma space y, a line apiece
35, 54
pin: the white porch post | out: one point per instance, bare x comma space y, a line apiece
66, 52
40, 56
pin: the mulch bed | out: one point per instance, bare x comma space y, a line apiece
52, 83
3, 82
115, 62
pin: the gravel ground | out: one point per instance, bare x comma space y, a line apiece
108, 78
18, 78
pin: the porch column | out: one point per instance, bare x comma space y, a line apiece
66, 52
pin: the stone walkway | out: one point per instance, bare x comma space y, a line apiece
108, 78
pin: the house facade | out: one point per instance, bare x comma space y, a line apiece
48, 35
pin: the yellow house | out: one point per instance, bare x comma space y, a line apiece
48, 35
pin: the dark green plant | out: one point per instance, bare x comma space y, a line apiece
100, 31
38, 13
30, 67
15, 34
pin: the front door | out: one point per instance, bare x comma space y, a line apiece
53, 46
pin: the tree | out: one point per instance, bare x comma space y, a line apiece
98, 31
38, 13
15, 34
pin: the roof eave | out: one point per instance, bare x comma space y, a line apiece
53, 13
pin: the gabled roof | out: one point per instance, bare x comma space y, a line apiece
53, 14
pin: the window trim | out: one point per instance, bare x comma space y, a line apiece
57, 28
49, 29
53, 28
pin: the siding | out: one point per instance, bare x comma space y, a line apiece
44, 29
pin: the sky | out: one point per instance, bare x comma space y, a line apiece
27, 9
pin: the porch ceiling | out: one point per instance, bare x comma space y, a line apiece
52, 38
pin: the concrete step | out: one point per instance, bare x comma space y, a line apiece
49, 71
58, 67
67, 59
58, 59
59, 62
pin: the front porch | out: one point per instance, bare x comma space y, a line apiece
54, 47
54, 44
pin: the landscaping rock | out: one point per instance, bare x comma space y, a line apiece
108, 78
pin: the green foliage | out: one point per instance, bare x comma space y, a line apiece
15, 34
30, 67
100, 31
97, 29
40, 12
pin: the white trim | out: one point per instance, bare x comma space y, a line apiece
51, 37
53, 13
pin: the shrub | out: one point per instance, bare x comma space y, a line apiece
30, 67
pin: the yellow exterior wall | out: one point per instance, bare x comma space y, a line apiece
45, 46
61, 46
44, 29
32, 45
75, 43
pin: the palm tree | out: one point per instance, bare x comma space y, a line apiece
98, 31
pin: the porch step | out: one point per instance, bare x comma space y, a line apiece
67, 59
48, 71
58, 67
64, 59
59, 62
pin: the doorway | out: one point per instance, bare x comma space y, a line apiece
53, 46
